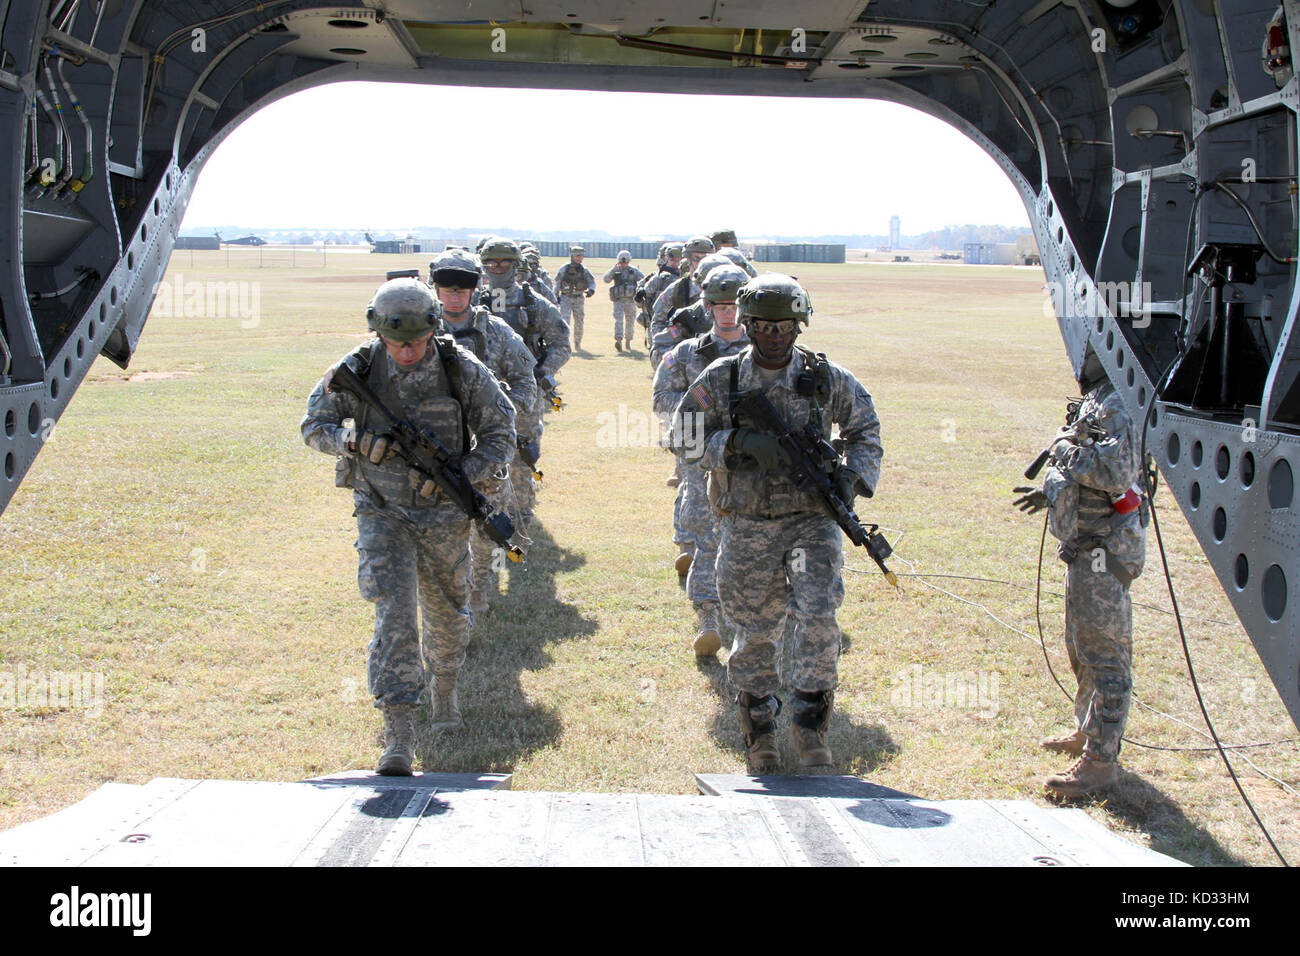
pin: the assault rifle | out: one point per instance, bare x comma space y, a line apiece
423, 451
810, 454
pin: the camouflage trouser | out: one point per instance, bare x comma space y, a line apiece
1099, 638
573, 308
681, 533
624, 319
529, 425
765, 564
699, 521
487, 556
408, 570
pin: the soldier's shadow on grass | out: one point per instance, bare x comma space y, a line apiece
501, 724
1141, 806
858, 747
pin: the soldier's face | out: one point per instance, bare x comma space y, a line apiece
576, 257
498, 267
673, 259
695, 259
773, 341
455, 301
408, 354
725, 317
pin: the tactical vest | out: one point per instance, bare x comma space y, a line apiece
817, 386
520, 316
389, 483
570, 280
624, 284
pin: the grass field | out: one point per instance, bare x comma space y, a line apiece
176, 537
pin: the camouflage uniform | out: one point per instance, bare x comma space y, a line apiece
649, 290
412, 550
685, 324
501, 349
777, 546
677, 294
621, 293
693, 517
546, 334
1103, 551
572, 283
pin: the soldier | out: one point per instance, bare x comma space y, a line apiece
693, 320
724, 241
574, 283
536, 276
1098, 512
454, 276
694, 523
777, 546
625, 277
539, 324
679, 293
411, 540
670, 258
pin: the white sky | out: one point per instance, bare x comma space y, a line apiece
393, 156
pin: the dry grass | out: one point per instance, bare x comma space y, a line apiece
177, 537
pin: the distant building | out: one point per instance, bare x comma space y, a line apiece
895, 232
990, 254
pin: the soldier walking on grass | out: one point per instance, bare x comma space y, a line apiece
413, 559
622, 293
574, 284
777, 546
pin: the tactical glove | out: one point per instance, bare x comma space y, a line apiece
378, 448
590, 293
846, 485
1031, 500
764, 448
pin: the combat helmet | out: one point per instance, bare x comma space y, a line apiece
698, 244
722, 284
775, 297
498, 248
738, 257
457, 268
402, 310
723, 237
624, 256
708, 264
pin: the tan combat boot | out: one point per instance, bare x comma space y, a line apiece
1071, 744
812, 715
618, 345
682, 565
445, 711
1087, 775
399, 741
707, 640
758, 721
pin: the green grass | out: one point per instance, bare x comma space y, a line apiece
176, 536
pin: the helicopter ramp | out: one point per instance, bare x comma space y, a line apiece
437, 819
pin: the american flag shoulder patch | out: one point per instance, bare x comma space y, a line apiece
669, 360
676, 331
702, 397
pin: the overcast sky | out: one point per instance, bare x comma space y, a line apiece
392, 156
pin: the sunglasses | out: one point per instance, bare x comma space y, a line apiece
766, 327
